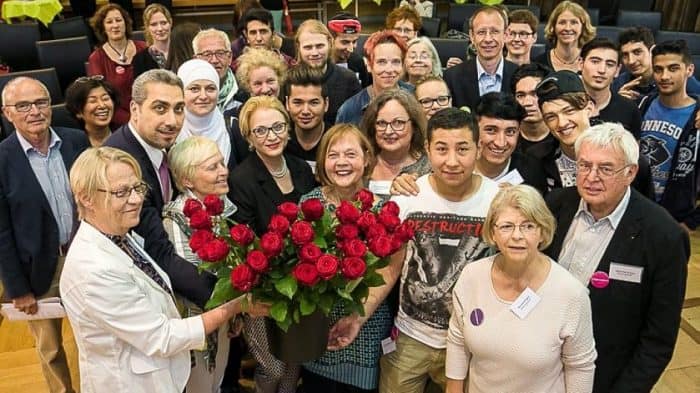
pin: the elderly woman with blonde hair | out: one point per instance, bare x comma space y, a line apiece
520, 322
119, 302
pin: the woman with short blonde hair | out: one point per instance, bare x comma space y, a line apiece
568, 28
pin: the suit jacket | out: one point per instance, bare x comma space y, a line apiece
634, 324
127, 328
184, 275
464, 84
28, 231
253, 190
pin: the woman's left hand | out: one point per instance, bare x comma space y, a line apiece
344, 332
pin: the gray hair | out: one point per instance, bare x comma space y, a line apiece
437, 65
138, 89
17, 80
210, 33
612, 135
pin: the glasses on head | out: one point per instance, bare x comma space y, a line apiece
428, 102
415, 56
403, 30
262, 131
507, 228
396, 124
519, 34
140, 188
26, 106
84, 79
604, 171
484, 32
220, 54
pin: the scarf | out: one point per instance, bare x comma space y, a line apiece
227, 90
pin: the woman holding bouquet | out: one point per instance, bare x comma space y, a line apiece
200, 173
259, 184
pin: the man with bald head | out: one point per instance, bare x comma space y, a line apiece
37, 217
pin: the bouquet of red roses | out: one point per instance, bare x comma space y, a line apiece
309, 259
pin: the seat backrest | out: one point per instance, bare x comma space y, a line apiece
447, 48
692, 39
47, 76
609, 32
594, 13
458, 15
696, 61
288, 46
70, 27
17, 45
67, 55
537, 49
431, 27
541, 39
360, 47
535, 9
138, 35
652, 20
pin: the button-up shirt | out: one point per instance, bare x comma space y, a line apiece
489, 83
587, 239
155, 155
52, 175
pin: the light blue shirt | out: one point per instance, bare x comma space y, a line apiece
489, 83
51, 173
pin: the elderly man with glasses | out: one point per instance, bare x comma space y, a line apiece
214, 47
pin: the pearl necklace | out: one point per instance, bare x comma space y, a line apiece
282, 172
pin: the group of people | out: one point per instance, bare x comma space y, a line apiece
551, 201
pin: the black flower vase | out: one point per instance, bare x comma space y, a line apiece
302, 342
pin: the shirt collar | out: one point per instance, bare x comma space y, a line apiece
613, 218
54, 141
481, 71
155, 155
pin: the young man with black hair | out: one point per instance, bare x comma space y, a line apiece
533, 131
257, 27
669, 139
601, 63
345, 29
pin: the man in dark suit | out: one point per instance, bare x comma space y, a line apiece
630, 253
37, 217
489, 71
157, 113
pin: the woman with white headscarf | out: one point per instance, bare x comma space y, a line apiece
202, 116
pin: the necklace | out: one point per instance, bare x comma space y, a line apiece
122, 56
554, 51
282, 172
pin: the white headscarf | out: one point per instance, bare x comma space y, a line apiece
211, 125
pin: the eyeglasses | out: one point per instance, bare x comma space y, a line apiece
26, 106
84, 79
140, 188
604, 172
519, 34
415, 56
262, 131
507, 228
404, 30
484, 32
428, 102
396, 124
220, 54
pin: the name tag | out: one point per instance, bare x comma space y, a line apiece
513, 177
380, 187
629, 273
388, 345
525, 303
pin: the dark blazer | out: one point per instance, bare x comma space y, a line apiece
530, 169
28, 230
464, 84
253, 190
634, 325
183, 275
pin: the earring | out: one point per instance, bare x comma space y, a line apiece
251, 148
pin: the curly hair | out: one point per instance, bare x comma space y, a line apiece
254, 58
401, 13
97, 21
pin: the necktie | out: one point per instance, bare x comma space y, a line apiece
140, 261
164, 179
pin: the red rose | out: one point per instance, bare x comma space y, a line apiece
305, 274
380, 246
390, 207
404, 232
200, 220
346, 231
375, 231
327, 266
389, 220
355, 248
289, 210
302, 232
366, 197
257, 261
309, 253
199, 238
312, 209
353, 268
243, 278
366, 220
191, 206
214, 251
396, 244
214, 205
271, 244
278, 224
242, 234
347, 213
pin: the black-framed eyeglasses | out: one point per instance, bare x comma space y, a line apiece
26, 106
140, 188
262, 131
604, 172
507, 228
220, 54
397, 124
428, 102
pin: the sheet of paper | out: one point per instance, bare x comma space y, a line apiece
49, 308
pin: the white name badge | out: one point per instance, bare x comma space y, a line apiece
388, 345
525, 303
513, 177
622, 272
380, 187
312, 164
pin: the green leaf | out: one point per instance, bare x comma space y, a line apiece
320, 241
296, 316
287, 286
344, 294
275, 274
374, 279
370, 258
306, 306
284, 324
351, 285
278, 312
326, 302
223, 292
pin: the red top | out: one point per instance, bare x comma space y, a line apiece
121, 77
